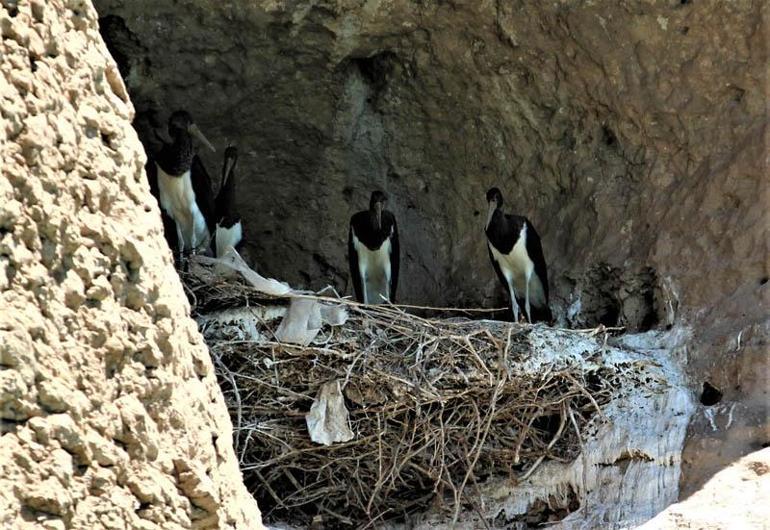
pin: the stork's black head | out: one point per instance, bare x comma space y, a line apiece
181, 123
376, 205
495, 200
494, 195
231, 153
378, 197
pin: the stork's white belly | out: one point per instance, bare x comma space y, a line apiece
374, 267
177, 198
228, 237
517, 266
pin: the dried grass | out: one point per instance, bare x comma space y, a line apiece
437, 406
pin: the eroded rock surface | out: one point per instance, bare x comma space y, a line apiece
633, 134
736, 497
110, 413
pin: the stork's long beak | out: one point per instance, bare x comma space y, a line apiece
491, 212
228, 167
378, 210
195, 131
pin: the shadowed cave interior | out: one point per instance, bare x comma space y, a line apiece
318, 132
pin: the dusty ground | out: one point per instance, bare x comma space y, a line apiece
734, 498
110, 414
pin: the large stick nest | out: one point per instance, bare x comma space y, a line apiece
437, 406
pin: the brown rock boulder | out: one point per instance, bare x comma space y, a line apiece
110, 412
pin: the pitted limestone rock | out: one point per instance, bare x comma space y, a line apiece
106, 388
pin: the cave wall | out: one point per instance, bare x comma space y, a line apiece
632, 133
110, 413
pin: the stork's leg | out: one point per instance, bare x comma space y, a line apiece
387, 283
188, 230
364, 286
200, 244
201, 238
183, 263
514, 303
526, 297
179, 239
206, 245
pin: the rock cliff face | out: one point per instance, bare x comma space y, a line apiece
632, 133
110, 414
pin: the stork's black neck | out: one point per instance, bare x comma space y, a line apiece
503, 230
497, 220
226, 213
373, 221
176, 158
365, 227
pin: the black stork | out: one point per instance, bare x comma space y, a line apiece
373, 252
183, 185
229, 231
517, 256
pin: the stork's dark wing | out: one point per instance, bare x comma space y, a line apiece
151, 169
169, 226
535, 251
355, 274
224, 205
395, 258
204, 196
154, 145
500, 274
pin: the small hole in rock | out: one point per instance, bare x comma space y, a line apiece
610, 316
737, 94
10, 426
711, 395
542, 512
608, 137
377, 69
763, 280
685, 30
684, 2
